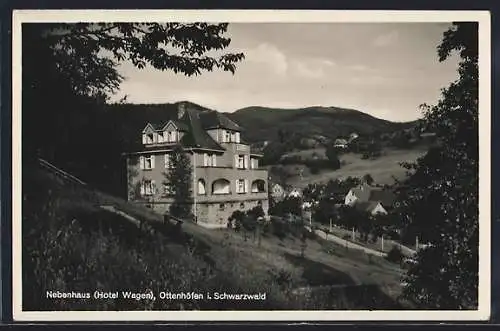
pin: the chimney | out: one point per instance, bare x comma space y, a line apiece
181, 110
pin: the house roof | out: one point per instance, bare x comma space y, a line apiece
366, 193
362, 192
341, 141
385, 197
214, 120
180, 125
367, 206
196, 136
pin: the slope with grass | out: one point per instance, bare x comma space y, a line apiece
382, 169
71, 244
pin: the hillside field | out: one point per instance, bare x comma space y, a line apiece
382, 169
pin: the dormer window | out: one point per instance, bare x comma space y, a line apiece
149, 138
230, 136
170, 136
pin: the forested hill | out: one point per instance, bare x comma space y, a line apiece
264, 123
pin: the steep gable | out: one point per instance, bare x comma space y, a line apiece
196, 136
149, 128
214, 120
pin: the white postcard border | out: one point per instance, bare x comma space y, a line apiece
256, 16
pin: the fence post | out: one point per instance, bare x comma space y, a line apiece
382, 242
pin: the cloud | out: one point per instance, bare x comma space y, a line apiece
269, 55
386, 39
313, 68
275, 60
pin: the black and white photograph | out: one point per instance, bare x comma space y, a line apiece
251, 165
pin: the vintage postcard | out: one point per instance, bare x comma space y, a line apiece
229, 165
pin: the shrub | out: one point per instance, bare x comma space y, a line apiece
395, 255
314, 170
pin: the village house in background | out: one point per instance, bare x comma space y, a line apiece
374, 200
340, 143
225, 173
277, 192
295, 192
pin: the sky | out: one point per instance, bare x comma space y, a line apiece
384, 69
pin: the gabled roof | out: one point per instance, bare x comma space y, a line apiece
341, 141
148, 126
180, 125
196, 136
362, 192
214, 120
367, 206
385, 197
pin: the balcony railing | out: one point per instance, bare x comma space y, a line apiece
242, 147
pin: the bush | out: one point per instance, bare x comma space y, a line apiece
314, 170
279, 228
395, 255
332, 155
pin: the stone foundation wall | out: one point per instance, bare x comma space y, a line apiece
213, 213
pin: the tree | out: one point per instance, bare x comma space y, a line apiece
292, 205
273, 152
179, 182
71, 70
368, 179
446, 273
236, 219
332, 155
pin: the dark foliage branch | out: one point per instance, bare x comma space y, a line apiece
440, 199
87, 54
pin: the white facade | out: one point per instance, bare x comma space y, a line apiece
350, 198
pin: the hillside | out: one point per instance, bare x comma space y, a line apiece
70, 241
263, 123
383, 169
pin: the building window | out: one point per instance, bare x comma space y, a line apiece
209, 160
242, 205
149, 138
201, 187
222, 206
221, 186
227, 136
148, 187
241, 186
170, 136
241, 161
147, 162
237, 137
258, 186
233, 136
